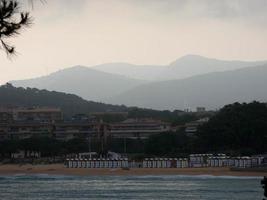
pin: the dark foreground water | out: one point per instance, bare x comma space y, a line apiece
46, 187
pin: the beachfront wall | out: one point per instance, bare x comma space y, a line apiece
97, 163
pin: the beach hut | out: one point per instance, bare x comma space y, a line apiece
71, 163
216, 162
254, 162
243, 162
149, 163
101, 163
119, 163
179, 163
93, 163
248, 163
164, 163
231, 162
97, 163
212, 161
220, 160
75, 163
67, 163
168, 163
185, 163
79, 164
174, 163
109, 163
154, 163
209, 161
237, 162
115, 163
106, 162
145, 163
88, 162
159, 161
83, 163
126, 162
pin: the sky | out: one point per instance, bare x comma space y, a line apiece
66, 33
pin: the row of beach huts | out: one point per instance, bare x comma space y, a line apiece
194, 161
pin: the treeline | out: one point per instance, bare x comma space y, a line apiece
50, 147
168, 143
240, 128
175, 117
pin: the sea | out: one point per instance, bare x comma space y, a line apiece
52, 187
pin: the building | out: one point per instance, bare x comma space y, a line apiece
61, 130
25, 123
20, 123
201, 109
192, 127
30, 114
138, 128
25, 129
25, 154
38, 114
6, 115
83, 129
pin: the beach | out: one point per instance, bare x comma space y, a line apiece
60, 169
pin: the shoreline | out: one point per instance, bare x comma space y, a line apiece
60, 169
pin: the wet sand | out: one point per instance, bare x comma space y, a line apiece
60, 169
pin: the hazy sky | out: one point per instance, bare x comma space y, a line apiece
89, 32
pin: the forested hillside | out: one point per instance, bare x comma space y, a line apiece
70, 104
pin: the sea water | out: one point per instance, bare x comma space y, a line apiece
50, 187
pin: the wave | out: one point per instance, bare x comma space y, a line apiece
193, 177
41, 177
48, 177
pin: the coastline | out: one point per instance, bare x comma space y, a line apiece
60, 169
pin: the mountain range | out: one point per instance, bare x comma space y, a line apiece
85, 82
184, 67
188, 82
212, 90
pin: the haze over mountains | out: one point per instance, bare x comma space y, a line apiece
212, 90
188, 82
184, 67
85, 82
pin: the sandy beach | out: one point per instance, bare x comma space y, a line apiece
60, 169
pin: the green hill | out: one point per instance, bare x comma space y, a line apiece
70, 104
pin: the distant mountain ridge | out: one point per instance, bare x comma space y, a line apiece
193, 65
184, 67
142, 72
85, 82
212, 90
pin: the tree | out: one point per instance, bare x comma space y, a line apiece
12, 21
168, 144
239, 128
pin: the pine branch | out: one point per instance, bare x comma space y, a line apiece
12, 21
